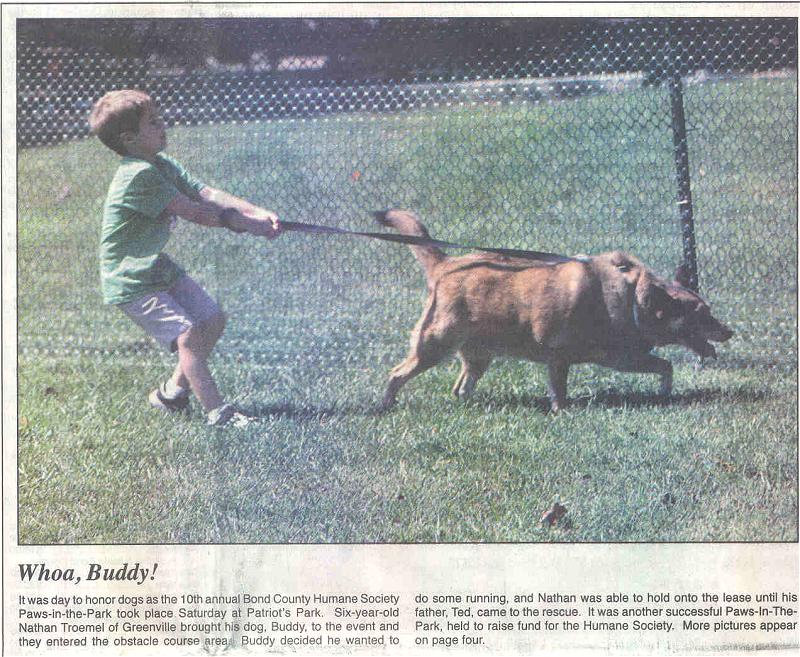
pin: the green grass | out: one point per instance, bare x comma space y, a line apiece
317, 322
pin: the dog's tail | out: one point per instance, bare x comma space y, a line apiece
406, 223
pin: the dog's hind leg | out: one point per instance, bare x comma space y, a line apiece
432, 340
425, 353
474, 363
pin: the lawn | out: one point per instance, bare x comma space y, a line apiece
316, 322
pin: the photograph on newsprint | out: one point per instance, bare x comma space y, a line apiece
392, 329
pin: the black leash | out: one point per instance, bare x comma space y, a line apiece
423, 241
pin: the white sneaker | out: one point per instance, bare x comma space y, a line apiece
221, 415
158, 399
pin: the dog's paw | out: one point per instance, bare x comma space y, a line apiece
385, 406
377, 411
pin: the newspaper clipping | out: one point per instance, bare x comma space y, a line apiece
399, 329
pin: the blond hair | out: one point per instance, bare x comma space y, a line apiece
117, 112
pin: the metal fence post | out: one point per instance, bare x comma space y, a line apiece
681, 150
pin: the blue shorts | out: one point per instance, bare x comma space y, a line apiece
165, 315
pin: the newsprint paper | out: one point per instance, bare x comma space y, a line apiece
646, 505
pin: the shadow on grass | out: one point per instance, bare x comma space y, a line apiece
610, 398
616, 399
311, 412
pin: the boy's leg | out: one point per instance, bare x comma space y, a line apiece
178, 378
184, 319
212, 331
194, 347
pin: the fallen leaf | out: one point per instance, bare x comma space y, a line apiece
727, 467
554, 514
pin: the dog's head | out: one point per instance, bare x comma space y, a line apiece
671, 313
698, 325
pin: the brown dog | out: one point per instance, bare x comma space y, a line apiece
607, 309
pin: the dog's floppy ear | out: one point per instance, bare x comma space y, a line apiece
683, 275
652, 298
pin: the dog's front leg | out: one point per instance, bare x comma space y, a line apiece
665, 371
644, 363
557, 370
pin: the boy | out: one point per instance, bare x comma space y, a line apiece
147, 191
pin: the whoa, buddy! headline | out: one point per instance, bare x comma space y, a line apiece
41, 572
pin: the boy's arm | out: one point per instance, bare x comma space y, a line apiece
242, 216
220, 209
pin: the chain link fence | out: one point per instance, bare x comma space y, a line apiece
672, 139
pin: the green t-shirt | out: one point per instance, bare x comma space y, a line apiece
136, 227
